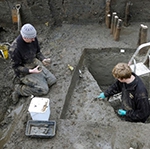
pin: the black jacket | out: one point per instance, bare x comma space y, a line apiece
134, 99
24, 53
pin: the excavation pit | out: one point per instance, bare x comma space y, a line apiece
90, 123
94, 66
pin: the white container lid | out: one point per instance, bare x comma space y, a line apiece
38, 105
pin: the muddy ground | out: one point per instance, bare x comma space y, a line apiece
82, 122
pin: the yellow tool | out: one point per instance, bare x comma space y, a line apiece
4, 51
70, 67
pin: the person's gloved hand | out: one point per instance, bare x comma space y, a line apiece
101, 96
122, 112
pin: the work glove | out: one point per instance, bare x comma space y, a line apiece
122, 112
101, 96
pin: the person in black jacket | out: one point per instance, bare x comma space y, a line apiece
27, 63
135, 104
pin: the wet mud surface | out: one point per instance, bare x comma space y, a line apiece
82, 121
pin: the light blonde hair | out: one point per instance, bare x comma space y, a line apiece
122, 71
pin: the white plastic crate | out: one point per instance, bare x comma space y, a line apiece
39, 108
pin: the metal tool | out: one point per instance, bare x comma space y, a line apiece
18, 6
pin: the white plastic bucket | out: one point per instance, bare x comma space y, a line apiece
39, 108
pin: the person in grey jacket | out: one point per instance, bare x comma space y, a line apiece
135, 104
28, 64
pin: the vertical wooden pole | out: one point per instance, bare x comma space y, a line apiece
143, 38
107, 13
112, 21
107, 8
144, 34
108, 20
115, 24
139, 38
118, 30
127, 13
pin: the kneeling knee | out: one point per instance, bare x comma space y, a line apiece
51, 81
43, 91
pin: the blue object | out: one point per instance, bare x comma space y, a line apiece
102, 96
122, 112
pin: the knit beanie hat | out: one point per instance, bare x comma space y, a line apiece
28, 31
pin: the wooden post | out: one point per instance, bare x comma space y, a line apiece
112, 21
108, 20
144, 34
118, 30
115, 25
107, 13
107, 8
143, 38
127, 14
139, 38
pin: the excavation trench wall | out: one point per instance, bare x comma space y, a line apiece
55, 12
94, 63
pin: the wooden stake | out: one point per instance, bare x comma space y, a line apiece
144, 34
143, 38
107, 13
118, 30
139, 38
107, 8
127, 13
115, 25
108, 20
112, 21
